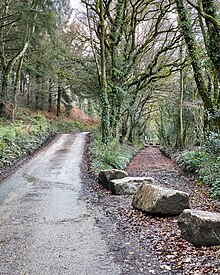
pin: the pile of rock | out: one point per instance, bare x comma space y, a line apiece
106, 176
199, 227
119, 183
128, 185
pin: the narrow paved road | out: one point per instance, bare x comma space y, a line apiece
45, 226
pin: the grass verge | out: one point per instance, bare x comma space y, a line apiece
114, 155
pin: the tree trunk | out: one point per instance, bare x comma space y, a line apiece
37, 93
16, 87
131, 130
50, 96
181, 130
186, 28
115, 74
213, 34
105, 122
4, 87
59, 101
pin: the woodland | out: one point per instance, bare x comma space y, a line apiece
134, 70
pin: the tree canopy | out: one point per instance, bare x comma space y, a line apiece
148, 68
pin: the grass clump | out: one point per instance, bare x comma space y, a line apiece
22, 137
66, 125
114, 155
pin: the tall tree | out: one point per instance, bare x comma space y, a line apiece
23, 26
135, 55
187, 31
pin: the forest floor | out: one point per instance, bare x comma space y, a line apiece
144, 244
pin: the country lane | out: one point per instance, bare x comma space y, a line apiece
46, 226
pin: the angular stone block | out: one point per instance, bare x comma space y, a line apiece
128, 185
105, 176
155, 199
200, 227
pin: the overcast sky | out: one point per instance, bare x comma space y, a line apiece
75, 3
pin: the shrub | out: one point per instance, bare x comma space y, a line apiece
210, 174
69, 125
108, 156
192, 160
212, 144
63, 126
206, 163
22, 137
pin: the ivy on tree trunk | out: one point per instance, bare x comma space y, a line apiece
187, 31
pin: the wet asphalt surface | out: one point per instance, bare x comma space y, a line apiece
46, 227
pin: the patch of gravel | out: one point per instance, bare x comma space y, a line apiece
143, 244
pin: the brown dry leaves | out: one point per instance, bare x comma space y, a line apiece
176, 253
144, 244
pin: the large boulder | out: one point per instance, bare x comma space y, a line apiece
128, 185
155, 199
105, 176
200, 227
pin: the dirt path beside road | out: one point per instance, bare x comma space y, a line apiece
144, 244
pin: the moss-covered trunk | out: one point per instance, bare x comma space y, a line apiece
105, 121
213, 34
187, 31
